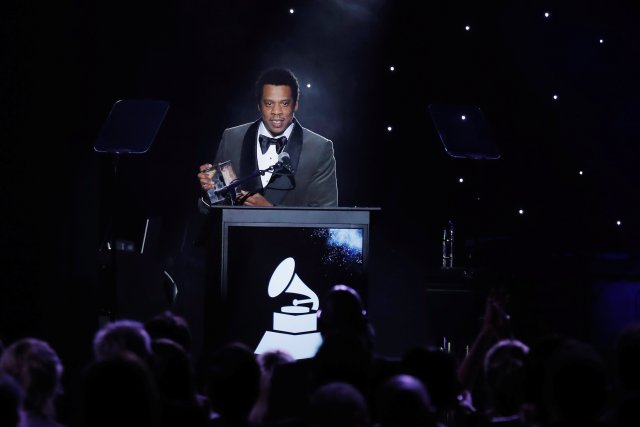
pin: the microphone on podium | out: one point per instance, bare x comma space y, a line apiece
283, 166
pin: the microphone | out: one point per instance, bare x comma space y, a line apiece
284, 164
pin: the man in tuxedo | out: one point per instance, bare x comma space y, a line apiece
306, 177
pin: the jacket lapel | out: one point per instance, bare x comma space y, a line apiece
248, 159
294, 147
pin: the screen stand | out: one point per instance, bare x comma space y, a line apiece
130, 128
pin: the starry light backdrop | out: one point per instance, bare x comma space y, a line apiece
552, 219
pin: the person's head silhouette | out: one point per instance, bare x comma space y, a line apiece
342, 310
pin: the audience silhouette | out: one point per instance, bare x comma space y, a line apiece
11, 397
233, 384
504, 374
268, 362
337, 404
36, 367
142, 375
576, 386
346, 355
122, 335
120, 390
437, 370
172, 326
625, 411
173, 371
403, 401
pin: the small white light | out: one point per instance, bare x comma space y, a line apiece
308, 84
580, 172
291, 11
389, 128
461, 180
521, 211
547, 14
463, 117
392, 68
618, 222
601, 41
555, 96
467, 28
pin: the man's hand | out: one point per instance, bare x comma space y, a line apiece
495, 326
256, 199
205, 176
496, 319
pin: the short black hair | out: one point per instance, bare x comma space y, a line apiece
172, 326
278, 77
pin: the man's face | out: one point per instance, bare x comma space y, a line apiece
277, 107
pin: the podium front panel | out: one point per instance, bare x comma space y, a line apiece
279, 264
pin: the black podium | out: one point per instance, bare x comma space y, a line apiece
269, 269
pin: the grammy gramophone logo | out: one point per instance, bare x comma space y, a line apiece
295, 326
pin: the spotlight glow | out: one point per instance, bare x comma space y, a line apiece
601, 41
547, 14
389, 128
308, 84
291, 11
618, 222
463, 117
461, 180
521, 211
467, 28
580, 172
392, 68
555, 97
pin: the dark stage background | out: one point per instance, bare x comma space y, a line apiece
570, 164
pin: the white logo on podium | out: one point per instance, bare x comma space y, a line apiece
295, 327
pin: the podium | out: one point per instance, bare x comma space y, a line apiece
270, 269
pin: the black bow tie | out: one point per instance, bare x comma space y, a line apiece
265, 141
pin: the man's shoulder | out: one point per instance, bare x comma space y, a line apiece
313, 136
239, 129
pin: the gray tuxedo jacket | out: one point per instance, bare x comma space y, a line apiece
312, 161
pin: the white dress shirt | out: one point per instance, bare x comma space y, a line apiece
270, 157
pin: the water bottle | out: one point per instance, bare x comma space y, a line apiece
447, 247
